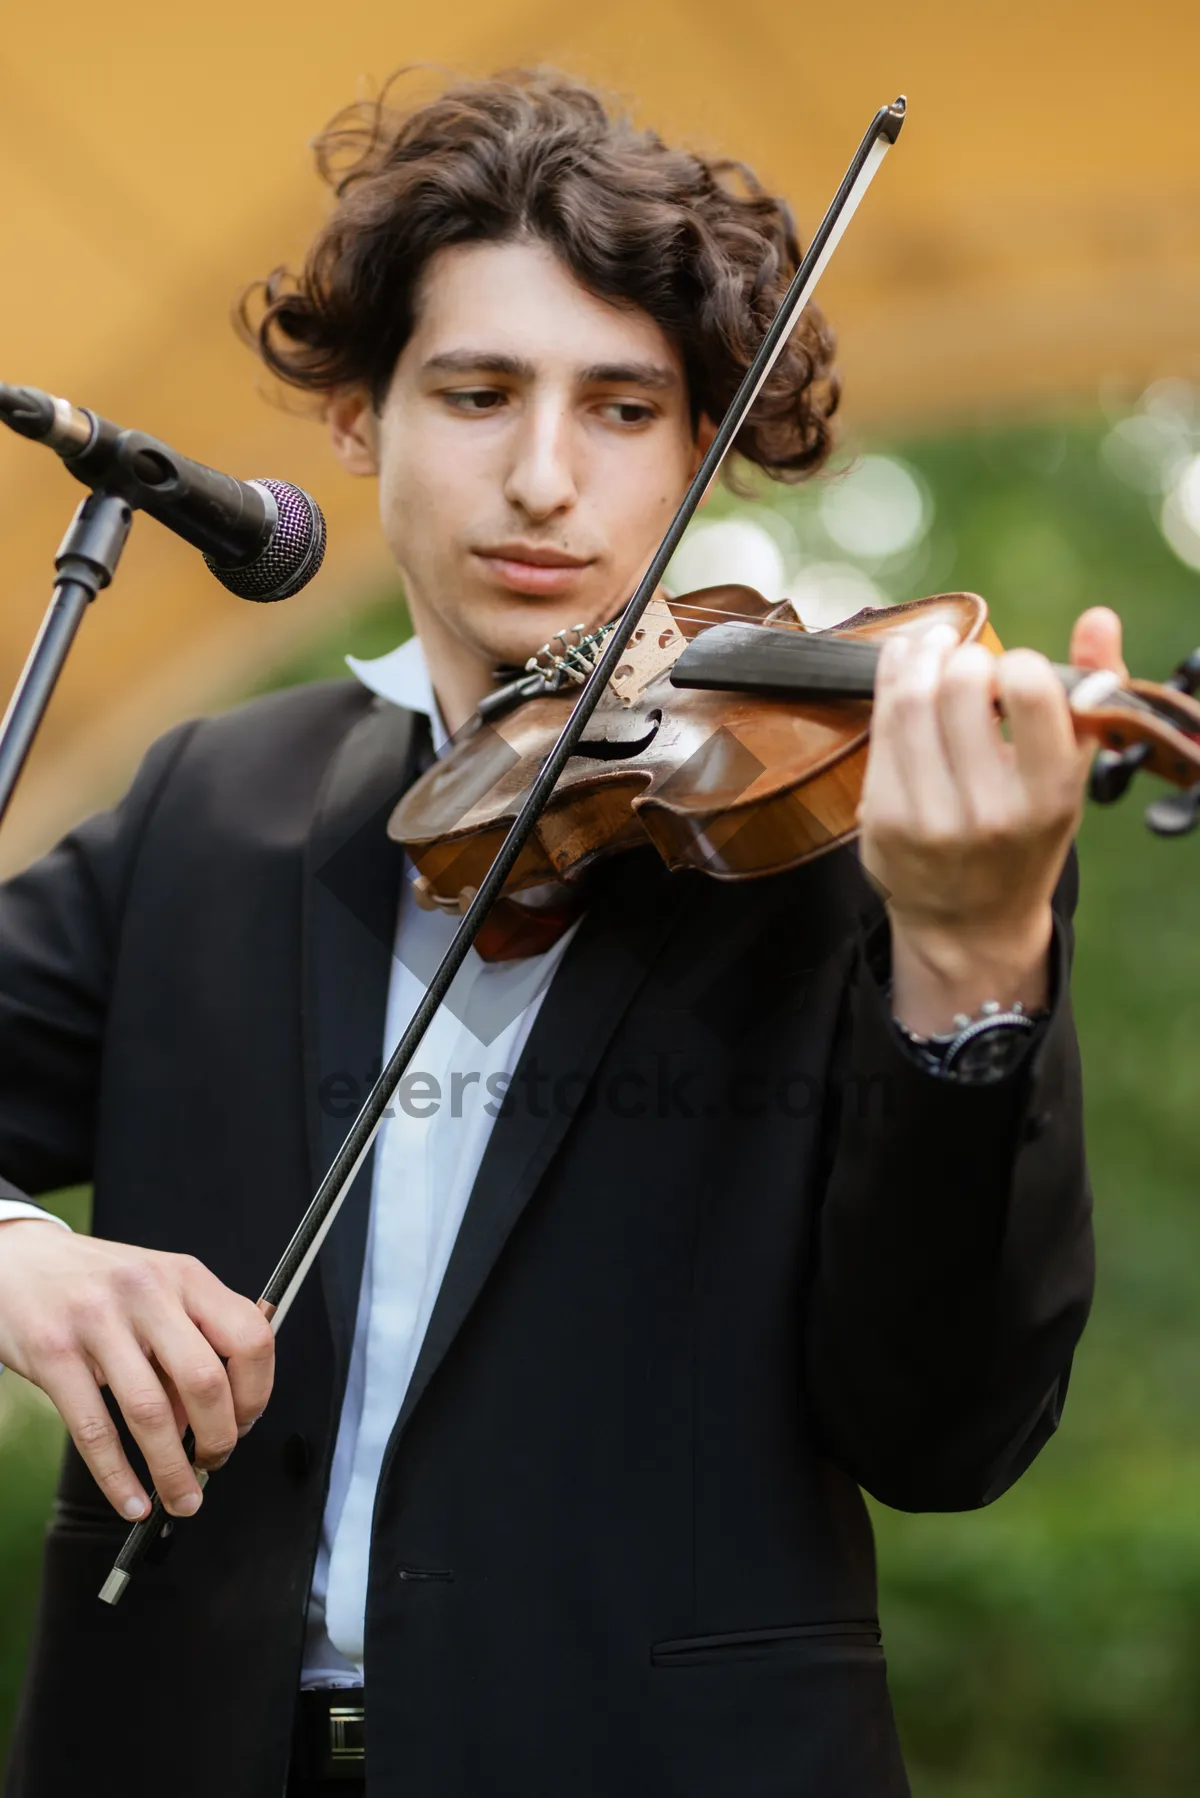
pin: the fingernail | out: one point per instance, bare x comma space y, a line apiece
247, 1427
134, 1508
187, 1506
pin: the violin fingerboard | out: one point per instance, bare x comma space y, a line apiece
778, 664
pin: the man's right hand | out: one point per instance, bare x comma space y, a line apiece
77, 1314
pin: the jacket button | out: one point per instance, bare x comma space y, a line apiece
297, 1457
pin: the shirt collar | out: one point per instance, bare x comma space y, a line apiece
402, 677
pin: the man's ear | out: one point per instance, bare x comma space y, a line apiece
354, 430
706, 430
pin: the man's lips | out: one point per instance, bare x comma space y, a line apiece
532, 567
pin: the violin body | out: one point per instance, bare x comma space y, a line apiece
734, 784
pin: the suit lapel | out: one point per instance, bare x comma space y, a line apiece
351, 893
627, 920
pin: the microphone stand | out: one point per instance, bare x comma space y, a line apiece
86, 561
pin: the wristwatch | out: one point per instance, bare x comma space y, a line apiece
979, 1050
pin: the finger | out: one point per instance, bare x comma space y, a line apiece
76, 1396
915, 732
209, 1444
178, 1407
194, 1369
883, 791
147, 1410
1096, 641
983, 762
1044, 744
238, 1332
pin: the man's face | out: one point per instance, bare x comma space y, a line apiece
533, 446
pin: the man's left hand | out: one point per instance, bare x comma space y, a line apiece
966, 829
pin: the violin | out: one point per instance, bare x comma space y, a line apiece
729, 738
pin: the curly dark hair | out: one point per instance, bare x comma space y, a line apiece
694, 242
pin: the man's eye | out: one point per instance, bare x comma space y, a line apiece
628, 412
476, 399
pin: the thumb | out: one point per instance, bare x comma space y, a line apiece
1096, 641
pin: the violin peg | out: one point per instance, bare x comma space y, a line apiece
1175, 814
1112, 771
1186, 678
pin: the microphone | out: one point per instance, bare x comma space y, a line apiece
264, 540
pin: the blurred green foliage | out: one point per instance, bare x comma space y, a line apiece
1049, 1646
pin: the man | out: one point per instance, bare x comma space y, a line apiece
686, 1228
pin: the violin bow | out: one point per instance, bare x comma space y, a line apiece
297, 1259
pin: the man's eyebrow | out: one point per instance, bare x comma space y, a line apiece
480, 362
654, 375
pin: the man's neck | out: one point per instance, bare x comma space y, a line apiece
459, 675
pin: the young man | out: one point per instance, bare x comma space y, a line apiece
566, 1440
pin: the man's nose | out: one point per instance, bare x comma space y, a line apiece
541, 480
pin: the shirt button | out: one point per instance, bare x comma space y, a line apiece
297, 1457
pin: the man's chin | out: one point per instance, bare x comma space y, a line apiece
517, 627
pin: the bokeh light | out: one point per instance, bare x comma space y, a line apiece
876, 511
1145, 450
740, 548
827, 593
1180, 516
1156, 451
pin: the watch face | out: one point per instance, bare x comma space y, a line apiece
989, 1050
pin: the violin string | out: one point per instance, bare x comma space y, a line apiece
687, 611
695, 614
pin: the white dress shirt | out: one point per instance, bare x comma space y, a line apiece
427, 1154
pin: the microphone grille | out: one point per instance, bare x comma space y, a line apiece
292, 554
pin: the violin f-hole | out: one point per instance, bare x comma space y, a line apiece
617, 749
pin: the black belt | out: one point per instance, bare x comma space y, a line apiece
329, 1752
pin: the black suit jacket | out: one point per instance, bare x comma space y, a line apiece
730, 1257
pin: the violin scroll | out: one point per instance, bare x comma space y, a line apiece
1113, 770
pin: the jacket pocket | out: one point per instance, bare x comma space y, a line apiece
853, 1640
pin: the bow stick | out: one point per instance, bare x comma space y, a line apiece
301, 1252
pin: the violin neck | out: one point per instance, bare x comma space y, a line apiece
1162, 722
799, 665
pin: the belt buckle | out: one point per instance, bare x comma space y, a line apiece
347, 1736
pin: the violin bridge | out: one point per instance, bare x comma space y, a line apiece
654, 648
569, 657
